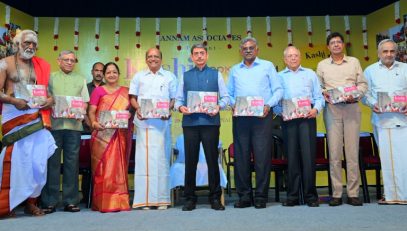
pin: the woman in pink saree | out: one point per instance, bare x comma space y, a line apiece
110, 147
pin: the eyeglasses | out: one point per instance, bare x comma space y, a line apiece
335, 42
251, 48
68, 60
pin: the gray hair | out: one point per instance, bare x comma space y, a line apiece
379, 47
19, 36
65, 52
247, 39
199, 45
287, 48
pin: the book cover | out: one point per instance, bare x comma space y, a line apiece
392, 102
70, 107
35, 95
249, 106
201, 102
296, 108
114, 119
154, 108
339, 94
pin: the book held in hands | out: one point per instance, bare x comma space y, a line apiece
154, 108
201, 101
35, 95
339, 94
392, 102
295, 108
249, 106
114, 119
71, 107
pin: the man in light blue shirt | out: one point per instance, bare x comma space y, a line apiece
390, 128
300, 133
253, 77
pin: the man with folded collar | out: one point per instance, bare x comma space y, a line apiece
27, 144
299, 134
342, 121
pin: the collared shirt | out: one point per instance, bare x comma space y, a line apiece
349, 72
91, 86
383, 79
146, 84
223, 92
260, 79
71, 84
300, 83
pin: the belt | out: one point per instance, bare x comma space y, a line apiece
23, 132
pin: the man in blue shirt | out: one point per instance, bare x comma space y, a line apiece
300, 134
201, 127
253, 77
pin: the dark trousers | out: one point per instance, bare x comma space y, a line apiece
209, 136
252, 137
300, 145
69, 141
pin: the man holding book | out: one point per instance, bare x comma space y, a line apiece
342, 119
389, 77
201, 123
71, 98
152, 92
27, 144
252, 134
301, 88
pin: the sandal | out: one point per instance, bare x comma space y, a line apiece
33, 210
382, 201
49, 209
72, 208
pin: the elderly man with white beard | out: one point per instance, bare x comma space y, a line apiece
27, 144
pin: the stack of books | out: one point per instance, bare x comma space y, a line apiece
249, 106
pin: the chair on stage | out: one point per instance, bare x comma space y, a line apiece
279, 164
85, 169
322, 158
177, 169
369, 160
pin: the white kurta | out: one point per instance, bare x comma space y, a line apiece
29, 159
153, 142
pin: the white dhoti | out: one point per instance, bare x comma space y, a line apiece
151, 174
393, 157
29, 157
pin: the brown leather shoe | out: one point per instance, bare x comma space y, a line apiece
354, 201
335, 201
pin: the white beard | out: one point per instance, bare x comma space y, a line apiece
27, 54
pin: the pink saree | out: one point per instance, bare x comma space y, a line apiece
110, 158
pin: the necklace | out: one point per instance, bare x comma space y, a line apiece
27, 80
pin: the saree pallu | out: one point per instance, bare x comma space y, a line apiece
110, 151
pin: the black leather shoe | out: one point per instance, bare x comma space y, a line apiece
354, 201
313, 204
291, 203
259, 204
335, 201
242, 204
189, 206
216, 205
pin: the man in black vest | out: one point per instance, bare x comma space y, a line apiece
201, 127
